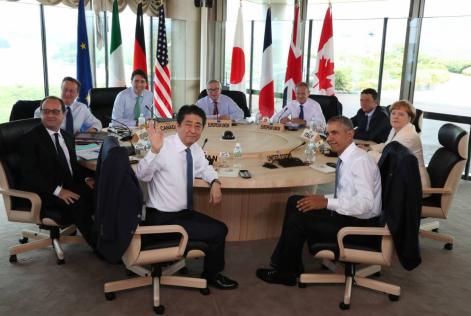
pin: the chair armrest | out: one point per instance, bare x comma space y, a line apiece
436, 191
166, 229
32, 197
364, 231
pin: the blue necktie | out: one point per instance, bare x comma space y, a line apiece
337, 176
69, 121
301, 112
189, 179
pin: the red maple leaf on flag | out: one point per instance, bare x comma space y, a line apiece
326, 68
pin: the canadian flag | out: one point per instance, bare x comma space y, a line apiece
238, 56
295, 61
324, 80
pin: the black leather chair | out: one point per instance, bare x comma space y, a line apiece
238, 97
418, 121
330, 105
102, 101
23, 109
25, 207
445, 170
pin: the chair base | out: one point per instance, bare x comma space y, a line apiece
430, 230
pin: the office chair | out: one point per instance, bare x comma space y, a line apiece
400, 199
237, 96
445, 169
418, 121
153, 260
102, 101
23, 109
25, 207
330, 105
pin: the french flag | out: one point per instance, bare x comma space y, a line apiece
266, 100
238, 56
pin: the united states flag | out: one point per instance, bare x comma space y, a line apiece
162, 88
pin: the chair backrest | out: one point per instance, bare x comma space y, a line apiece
330, 105
102, 101
238, 97
447, 164
418, 121
24, 109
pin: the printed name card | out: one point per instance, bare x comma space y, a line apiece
219, 123
277, 127
166, 126
309, 134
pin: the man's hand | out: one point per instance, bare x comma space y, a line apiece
285, 120
156, 138
92, 130
215, 195
224, 117
298, 121
68, 196
311, 202
90, 182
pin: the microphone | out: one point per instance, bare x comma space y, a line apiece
151, 110
204, 143
291, 161
302, 144
124, 138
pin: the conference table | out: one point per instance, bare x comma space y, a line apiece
254, 208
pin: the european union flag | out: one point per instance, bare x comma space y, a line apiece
84, 72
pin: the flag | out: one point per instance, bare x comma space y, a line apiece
162, 88
117, 78
84, 72
140, 43
238, 56
324, 80
266, 100
295, 60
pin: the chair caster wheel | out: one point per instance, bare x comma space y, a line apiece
13, 259
23, 240
110, 296
159, 309
60, 261
344, 306
301, 285
205, 291
393, 298
448, 246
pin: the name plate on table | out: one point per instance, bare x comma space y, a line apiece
166, 126
220, 123
276, 155
277, 127
309, 134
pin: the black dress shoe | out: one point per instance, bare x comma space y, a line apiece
276, 277
221, 282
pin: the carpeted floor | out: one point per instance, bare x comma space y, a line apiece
37, 286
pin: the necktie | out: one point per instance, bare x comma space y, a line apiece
215, 110
61, 156
69, 121
337, 176
137, 108
301, 112
189, 179
368, 119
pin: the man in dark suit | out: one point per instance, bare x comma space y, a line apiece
49, 168
371, 121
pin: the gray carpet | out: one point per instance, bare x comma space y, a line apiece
37, 286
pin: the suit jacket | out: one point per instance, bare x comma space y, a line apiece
402, 201
119, 203
379, 125
41, 171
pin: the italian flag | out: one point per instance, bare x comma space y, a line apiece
116, 51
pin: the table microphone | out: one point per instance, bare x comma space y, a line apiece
302, 144
204, 143
124, 138
151, 111
291, 161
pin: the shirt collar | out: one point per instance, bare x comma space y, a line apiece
370, 113
348, 152
179, 144
51, 132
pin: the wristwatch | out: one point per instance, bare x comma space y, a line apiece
215, 180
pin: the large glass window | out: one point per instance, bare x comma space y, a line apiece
20, 55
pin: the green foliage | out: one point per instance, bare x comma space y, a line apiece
10, 94
458, 66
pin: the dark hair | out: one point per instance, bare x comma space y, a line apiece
345, 121
190, 109
51, 97
140, 73
72, 80
302, 84
371, 92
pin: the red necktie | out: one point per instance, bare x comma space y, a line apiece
215, 110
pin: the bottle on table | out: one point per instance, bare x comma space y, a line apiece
237, 154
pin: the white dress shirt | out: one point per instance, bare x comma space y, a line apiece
66, 153
165, 174
83, 117
123, 108
408, 137
311, 109
226, 106
359, 187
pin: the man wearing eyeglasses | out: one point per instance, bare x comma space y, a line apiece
78, 117
49, 168
219, 106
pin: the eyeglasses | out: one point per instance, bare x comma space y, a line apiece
53, 112
212, 90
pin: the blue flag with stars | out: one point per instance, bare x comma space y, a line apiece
84, 72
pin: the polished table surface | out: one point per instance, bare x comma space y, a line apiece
254, 208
